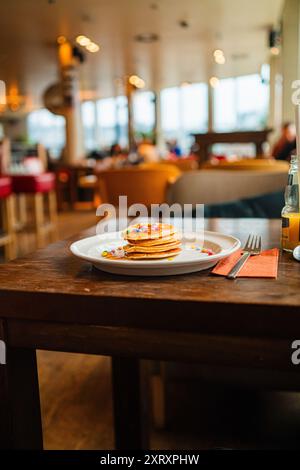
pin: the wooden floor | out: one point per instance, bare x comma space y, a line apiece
77, 409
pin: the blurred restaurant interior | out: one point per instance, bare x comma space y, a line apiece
164, 101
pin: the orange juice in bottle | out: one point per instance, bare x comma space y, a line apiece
290, 215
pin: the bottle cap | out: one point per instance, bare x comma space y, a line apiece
296, 253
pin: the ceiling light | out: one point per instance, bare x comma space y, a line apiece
275, 50
220, 59
218, 52
14, 100
136, 81
140, 83
133, 79
83, 40
214, 82
61, 40
92, 47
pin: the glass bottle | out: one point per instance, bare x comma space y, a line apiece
290, 215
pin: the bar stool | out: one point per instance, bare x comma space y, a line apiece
38, 186
8, 237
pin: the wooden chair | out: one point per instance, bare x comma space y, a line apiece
183, 164
144, 185
7, 237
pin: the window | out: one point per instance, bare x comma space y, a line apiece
194, 107
104, 122
48, 129
170, 112
122, 121
241, 103
252, 102
107, 122
225, 105
184, 112
144, 112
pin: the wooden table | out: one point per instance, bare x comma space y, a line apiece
205, 141
52, 300
67, 180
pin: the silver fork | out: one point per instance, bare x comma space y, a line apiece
252, 247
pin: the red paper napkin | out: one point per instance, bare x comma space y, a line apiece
263, 265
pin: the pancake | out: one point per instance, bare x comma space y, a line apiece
164, 254
148, 231
151, 249
147, 241
158, 241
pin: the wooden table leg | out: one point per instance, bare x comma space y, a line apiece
130, 397
20, 423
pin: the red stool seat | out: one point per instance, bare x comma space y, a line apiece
42, 183
5, 187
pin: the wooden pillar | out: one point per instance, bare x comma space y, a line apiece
74, 150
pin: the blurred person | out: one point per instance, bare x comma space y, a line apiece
119, 156
194, 152
115, 150
147, 151
103, 162
286, 143
97, 154
174, 148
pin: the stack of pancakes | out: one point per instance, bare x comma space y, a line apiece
151, 241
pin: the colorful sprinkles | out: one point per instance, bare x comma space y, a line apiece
142, 228
206, 251
114, 253
147, 228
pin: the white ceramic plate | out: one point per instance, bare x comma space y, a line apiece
188, 261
